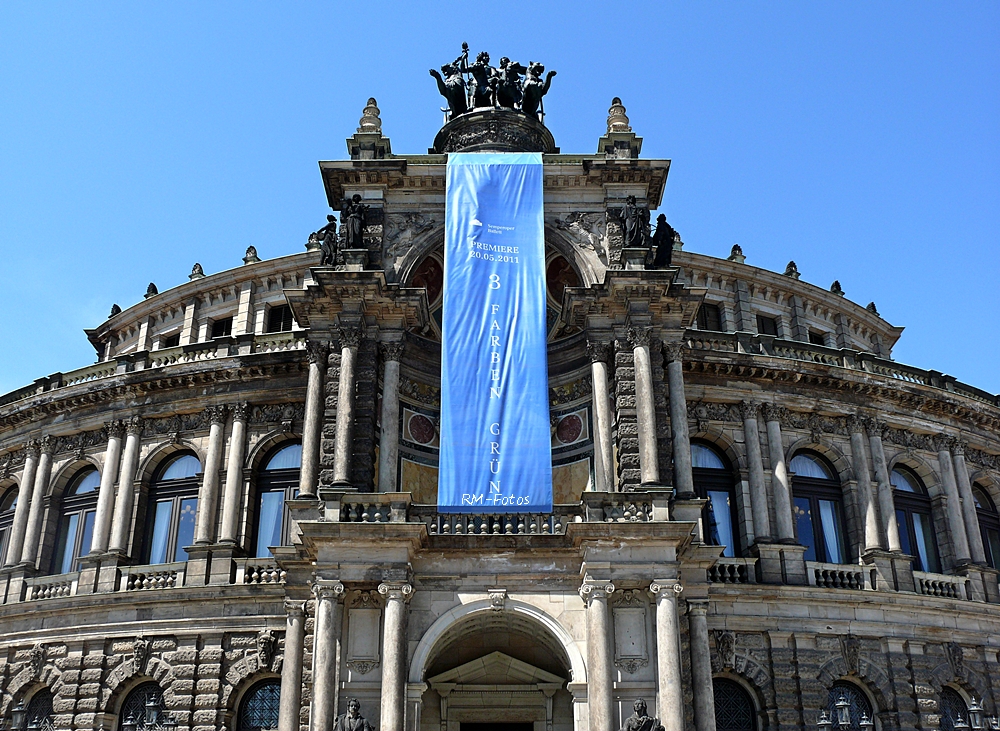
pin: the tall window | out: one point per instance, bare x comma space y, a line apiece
989, 524
734, 709
713, 481
767, 325
39, 712
173, 502
952, 709
76, 525
913, 515
846, 699
259, 709
709, 317
222, 327
278, 482
8, 502
279, 319
819, 519
143, 709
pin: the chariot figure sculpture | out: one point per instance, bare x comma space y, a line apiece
535, 88
452, 88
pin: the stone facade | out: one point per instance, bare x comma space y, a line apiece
561, 620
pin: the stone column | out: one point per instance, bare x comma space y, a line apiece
106, 496
388, 443
604, 480
33, 533
683, 481
208, 494
862, 473
312, 423
326, 637
290, 697
755, 471
978, 553
121, 527
600, 679
350, 340
394, 655
956, 523
701, 666
645, 407
233, 492
780, 484
16, 542
886, 504
669, 690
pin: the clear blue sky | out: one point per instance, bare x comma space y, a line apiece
860, 139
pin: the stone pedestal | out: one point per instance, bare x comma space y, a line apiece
690, 510
780, 563
109, 575
90, 569
223, 564
198, 565
634, 258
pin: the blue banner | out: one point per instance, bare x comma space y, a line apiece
496, 452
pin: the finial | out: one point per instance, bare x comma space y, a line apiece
115, 310
792, 270
196, 272
872, 309
737, 254
617, 121
836, 288
370, 121
151, 291
251, 257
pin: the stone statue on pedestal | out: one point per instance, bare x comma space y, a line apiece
639, 721
354, 218
352, 720
662, 244
635, 224
327, 236
534, 88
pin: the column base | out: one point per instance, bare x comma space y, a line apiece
109, 575
223, 563
199, 561
90, 570
780, 563
982, 582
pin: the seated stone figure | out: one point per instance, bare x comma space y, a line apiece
352, 720
639, 721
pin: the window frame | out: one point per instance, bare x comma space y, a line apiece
227, 322
853, 691
272, 311
702, 319
141, 693
772, 320
83, 507
249, 696
176, 492
709, 479
7, 518
285, 480
910, 504
816, 337
989, 522
724, 683
815, 490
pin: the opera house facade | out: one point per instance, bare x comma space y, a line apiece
761, 521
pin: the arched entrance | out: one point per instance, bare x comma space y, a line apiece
480, 668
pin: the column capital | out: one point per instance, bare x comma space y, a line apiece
958, 447
241, 411
133, 427
598, 352
217, 414
876, 427
592, 589
48, 444
856, 424
395, 590
749, 409
773, 412
329, 589
697, 607
32, 448
317, 352
673, 350
350, 336
942, 442
666, 587
639, 336
115, 429
295, 608
391, 351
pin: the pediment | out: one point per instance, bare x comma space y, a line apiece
496, 668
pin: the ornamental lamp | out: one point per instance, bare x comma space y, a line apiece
866, 723
994, 723
843, 707
975, 715
17, 715
152, 710
824, 723
130, 724
960, 724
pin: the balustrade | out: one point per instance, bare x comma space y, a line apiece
943, 585
161, 576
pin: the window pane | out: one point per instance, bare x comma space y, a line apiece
161, 529
185, 527
66, 543
904, 533
925, 542
269, 521
86, 482
993, 547
3, 545
832, 535
286, 458
902, 481
804, 527
184, 466
722, 523
705, 458
88, 533
805, 465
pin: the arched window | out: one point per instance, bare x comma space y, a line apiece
143, 709
734, 709
847, 701
8, 501
259, 709
913, 515
76, 524
173, 503
952, 709
713, 481
989, 524
277, 482
819, 517
38, 714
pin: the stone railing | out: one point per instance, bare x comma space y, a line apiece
277, 342
50, 587
258, 571
835, 575
714, 341
734, 571
943, 585
159, 576
374, 507
497, 524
